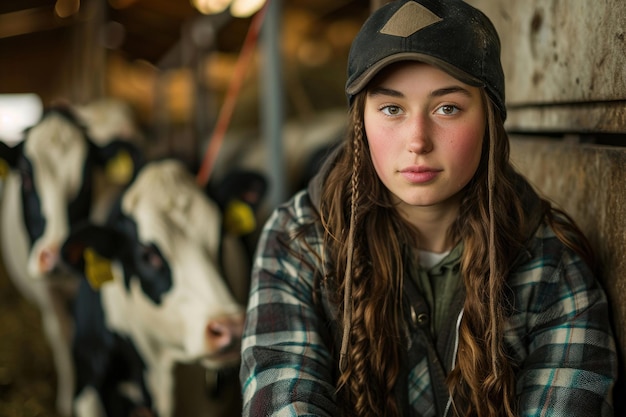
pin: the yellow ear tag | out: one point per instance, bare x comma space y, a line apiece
97, 269
4, 169
239, 218
120, 168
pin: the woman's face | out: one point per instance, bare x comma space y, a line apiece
425, 131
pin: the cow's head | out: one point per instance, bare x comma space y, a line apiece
54, 163
108, 118
158, 264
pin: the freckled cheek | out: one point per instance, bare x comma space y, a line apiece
377, 151
467, 148
378, 142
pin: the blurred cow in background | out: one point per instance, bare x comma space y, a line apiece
48, 186
107, 120
165, 283
305, 144
109, 117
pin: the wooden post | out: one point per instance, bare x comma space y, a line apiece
86, 78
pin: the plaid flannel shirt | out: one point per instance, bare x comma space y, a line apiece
558, 332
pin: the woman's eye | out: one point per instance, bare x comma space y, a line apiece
391, 110
448, 109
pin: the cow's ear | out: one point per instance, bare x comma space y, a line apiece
239, 194
89, 250
246, 186
98, 270
9, 155
121, 161
239, 218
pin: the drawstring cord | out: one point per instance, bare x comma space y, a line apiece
491, 178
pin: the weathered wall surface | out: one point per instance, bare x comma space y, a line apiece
564, 63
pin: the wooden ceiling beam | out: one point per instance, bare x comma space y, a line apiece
30, 20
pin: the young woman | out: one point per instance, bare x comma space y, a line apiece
420, 274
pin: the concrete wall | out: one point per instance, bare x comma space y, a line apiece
564, 62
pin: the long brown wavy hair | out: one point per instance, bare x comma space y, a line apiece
365, 236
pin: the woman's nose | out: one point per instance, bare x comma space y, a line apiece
420, 136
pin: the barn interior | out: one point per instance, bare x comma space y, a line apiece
174, 66
177, 67
170, 61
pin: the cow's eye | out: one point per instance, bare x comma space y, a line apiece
151, 257
27, 181
153, 272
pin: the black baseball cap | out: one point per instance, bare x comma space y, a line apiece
449, 34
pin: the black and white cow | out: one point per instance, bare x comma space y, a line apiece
110, 117
305, 144
164, 284
48, 187
107, 120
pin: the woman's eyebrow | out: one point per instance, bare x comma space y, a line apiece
450, 90
384, 92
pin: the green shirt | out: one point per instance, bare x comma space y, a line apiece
438, 284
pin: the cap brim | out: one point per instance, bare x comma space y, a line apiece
359, 83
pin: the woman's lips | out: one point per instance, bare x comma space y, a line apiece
419, 175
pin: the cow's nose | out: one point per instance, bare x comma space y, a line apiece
224, 332
48, 259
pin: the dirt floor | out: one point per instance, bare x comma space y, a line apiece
27, 376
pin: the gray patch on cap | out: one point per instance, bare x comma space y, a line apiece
409, 19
